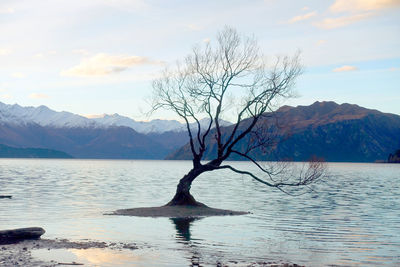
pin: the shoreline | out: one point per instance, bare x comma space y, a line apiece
20, 254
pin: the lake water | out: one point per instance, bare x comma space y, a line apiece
353, 219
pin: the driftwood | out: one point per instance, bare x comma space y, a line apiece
1, 196
9, 236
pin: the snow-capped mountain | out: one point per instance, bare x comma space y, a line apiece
42, 115
154, 126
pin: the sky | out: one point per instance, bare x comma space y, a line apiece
100, 56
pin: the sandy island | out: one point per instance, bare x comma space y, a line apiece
176, 212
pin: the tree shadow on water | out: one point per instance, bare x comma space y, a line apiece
183, 236
182, 226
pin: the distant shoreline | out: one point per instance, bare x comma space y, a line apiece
16, 152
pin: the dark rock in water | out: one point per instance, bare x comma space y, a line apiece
1, 196
14, 235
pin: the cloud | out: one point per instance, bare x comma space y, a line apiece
8, 10
83, 52
38, 96
320, 42
356, 10
302, 17
6, 96
18, 75
362, 5
104, 64
194, 27
44, 54
331, 23
345, 68
38, 55
94, 116
4, 52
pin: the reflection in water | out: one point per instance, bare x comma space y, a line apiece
104, 257
95, 257
182, 226
183, 236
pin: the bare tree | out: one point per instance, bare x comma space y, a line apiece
230, 77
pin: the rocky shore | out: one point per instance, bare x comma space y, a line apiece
20, 253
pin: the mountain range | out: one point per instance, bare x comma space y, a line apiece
103, 136
43, 116
335, 132
341, 133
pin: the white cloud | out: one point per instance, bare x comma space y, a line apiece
331, 23
321, 42
18, 75
302, 17
7, 10
83, 52
194, 27
345, 68
362, 5
44, 54
38, 96
104, 64
5, 96
94, 116
4, 52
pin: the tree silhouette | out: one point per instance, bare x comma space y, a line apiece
231, 77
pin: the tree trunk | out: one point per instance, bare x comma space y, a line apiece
182, 196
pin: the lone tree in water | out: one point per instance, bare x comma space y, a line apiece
233, 77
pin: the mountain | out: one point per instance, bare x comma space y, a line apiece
13, 152
43, 116
335, 132
154, 126
81, 142
150, 127
105, 136
347, 133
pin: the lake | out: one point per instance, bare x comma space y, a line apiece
352, 219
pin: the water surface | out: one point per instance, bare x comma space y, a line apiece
352, 219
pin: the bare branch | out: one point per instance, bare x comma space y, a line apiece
232, 75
